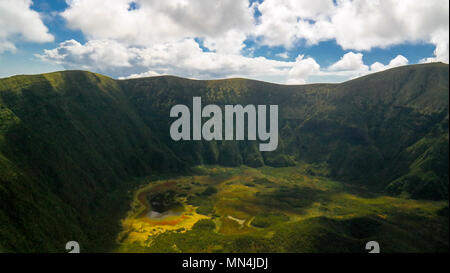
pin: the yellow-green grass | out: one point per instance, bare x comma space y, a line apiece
267, 209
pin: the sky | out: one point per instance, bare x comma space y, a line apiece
280, 41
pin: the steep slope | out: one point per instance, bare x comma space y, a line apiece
370, 130
67, 141
71, 142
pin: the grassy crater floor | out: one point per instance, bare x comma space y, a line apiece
293, 209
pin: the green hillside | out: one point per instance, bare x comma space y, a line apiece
68, 142
243, 209
386, 127
72, 143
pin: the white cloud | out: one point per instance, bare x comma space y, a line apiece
441, 53
283, 55
96, 54
357, 24
351, 66
231, 42
162, 37
183, 58
285, 21
19, 22
397, 61
6, 46
149, 73
350, 61
222, 23
302, 69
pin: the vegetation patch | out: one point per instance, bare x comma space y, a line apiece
280, 210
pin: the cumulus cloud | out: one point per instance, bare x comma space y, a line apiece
351, 65
441, 53
302, 69
183, 58
149, 73
283, 55
95, 54
223, 24
397, 61
350, 61
283, 22
205, 39
19, 22
356, 24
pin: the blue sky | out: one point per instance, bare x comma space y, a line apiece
283, 41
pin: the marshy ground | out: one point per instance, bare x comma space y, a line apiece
292, 209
